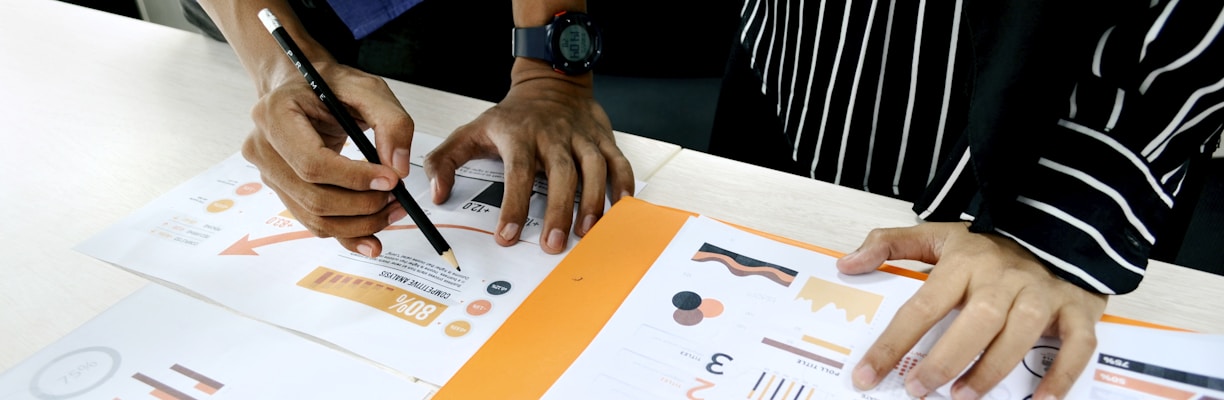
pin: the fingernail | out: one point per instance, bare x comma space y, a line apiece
851, 255
509, 231
864, 377
915, 388
365, 250
380, 183
625, 193
556, 239
1049, 397
396, 215
399, 160
964, 392
433, 185
587, 223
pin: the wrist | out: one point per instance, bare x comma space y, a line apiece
278, 70
528, 69
274, 67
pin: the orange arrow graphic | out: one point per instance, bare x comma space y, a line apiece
246, 246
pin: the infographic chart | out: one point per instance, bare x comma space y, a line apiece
161, 344
227, 237
724, 314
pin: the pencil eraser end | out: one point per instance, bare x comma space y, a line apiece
269, 20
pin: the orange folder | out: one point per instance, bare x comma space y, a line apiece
555, 323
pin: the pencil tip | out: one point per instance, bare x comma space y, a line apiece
449, 255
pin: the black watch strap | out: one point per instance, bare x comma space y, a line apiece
525, 47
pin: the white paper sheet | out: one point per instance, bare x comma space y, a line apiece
159, 343
726, 314
1136, 362
227, 237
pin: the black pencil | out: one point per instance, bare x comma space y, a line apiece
346, 121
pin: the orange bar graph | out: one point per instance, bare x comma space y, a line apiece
401, 303
1143, 386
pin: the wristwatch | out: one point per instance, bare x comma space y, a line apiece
571, 43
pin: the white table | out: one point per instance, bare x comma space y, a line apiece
102, 114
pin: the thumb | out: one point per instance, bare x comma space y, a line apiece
883, 244
869, 256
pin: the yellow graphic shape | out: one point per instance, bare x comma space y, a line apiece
826, 344
392, 300
458, 328
220, 205
287, 214
854, 302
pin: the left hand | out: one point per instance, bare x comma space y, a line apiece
551, 123
1008, 299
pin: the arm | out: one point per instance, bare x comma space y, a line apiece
550, 123
262, 58
296, 141
1081, 218
1145, 107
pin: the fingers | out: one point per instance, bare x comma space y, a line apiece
928, 305
469, 142
1078, 334
922, 311
982, 317
460, 147
547, 125
1018, 335
341, 225
619, 171
353, 232
516, 199
297, 144
372, 103
594, 183
311, 198
1007, 299
302, 134
368, 246
562, 181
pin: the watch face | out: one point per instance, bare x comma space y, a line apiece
575, 43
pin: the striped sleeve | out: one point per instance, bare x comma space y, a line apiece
1092, 202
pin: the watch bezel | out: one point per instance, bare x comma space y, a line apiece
560, 23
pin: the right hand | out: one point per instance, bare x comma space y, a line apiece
547, 123
296, 145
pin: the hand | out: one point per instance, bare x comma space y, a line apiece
549, 123
296, 144
1008, 300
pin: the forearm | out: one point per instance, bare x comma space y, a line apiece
1141, 121
259, 53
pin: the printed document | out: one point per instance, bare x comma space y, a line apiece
160, 343
726, 314
227, 237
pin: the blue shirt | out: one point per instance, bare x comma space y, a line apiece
365, 16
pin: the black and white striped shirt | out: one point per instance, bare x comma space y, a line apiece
1066, 127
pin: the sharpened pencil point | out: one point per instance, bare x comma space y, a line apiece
449, 255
